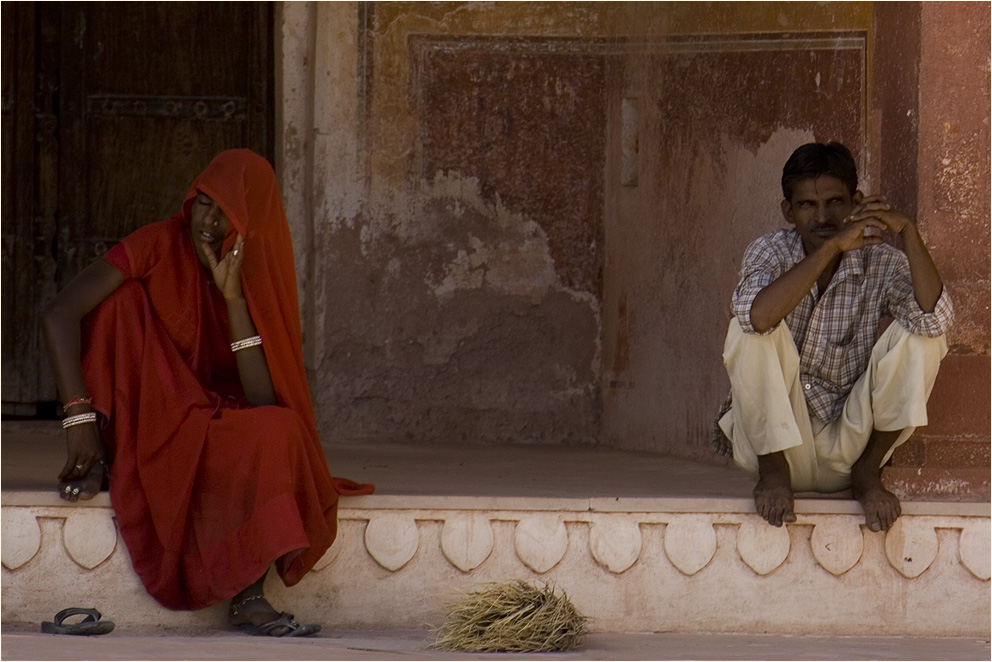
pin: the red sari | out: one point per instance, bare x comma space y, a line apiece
209, 491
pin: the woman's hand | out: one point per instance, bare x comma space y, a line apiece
227, 272
83, 451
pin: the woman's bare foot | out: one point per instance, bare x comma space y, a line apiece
254, 610
85, 488
249, 607
773, 493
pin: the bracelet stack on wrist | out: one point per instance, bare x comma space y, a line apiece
245, 343
78, 419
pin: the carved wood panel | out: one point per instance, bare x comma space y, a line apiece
112, 109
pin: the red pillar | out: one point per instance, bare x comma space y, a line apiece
949, 457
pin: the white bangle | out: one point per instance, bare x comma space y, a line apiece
79, 419
245, 343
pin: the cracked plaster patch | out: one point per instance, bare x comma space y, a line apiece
518, 263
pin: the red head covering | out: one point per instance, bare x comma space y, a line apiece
244, 185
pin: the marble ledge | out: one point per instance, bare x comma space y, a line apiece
804, 506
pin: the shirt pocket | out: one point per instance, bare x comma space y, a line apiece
838, 339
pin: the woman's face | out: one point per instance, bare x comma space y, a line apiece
208, 225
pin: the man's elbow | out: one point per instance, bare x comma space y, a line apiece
761, 323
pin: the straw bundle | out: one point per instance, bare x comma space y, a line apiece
511, 616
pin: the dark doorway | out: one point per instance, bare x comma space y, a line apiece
109, 111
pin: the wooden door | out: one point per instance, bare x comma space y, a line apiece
113, 109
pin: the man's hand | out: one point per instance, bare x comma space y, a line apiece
864, 225
875, 207
856, 234
927, 285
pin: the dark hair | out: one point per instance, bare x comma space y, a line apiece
813, 160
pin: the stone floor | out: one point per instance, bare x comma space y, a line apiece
34, 452
19, 644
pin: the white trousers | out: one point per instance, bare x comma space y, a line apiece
770, 414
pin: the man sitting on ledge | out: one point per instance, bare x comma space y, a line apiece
822, 391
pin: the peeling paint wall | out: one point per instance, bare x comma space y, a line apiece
445, 298
522, 222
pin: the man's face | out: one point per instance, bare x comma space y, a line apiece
818, 208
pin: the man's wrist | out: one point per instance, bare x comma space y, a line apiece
910, 230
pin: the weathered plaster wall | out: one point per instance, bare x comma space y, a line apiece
708, 107
521, 222
444, 298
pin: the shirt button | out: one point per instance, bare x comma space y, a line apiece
808, 387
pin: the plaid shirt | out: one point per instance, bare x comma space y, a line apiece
835, 333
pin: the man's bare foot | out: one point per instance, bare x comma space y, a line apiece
85, 488
882, 507
773, 493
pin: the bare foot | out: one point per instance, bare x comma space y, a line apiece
85, 488
773, 493
881, 507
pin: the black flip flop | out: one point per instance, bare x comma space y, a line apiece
88, 626
284, 621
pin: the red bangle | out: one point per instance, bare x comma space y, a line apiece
76, 400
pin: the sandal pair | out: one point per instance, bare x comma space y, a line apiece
90, 625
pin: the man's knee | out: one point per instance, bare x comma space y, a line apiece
897, 338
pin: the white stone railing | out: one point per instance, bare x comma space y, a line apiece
692, 565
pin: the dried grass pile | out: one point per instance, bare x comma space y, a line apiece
511, 616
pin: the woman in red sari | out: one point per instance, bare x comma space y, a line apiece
181, 348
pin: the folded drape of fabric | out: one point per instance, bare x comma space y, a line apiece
208, 491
